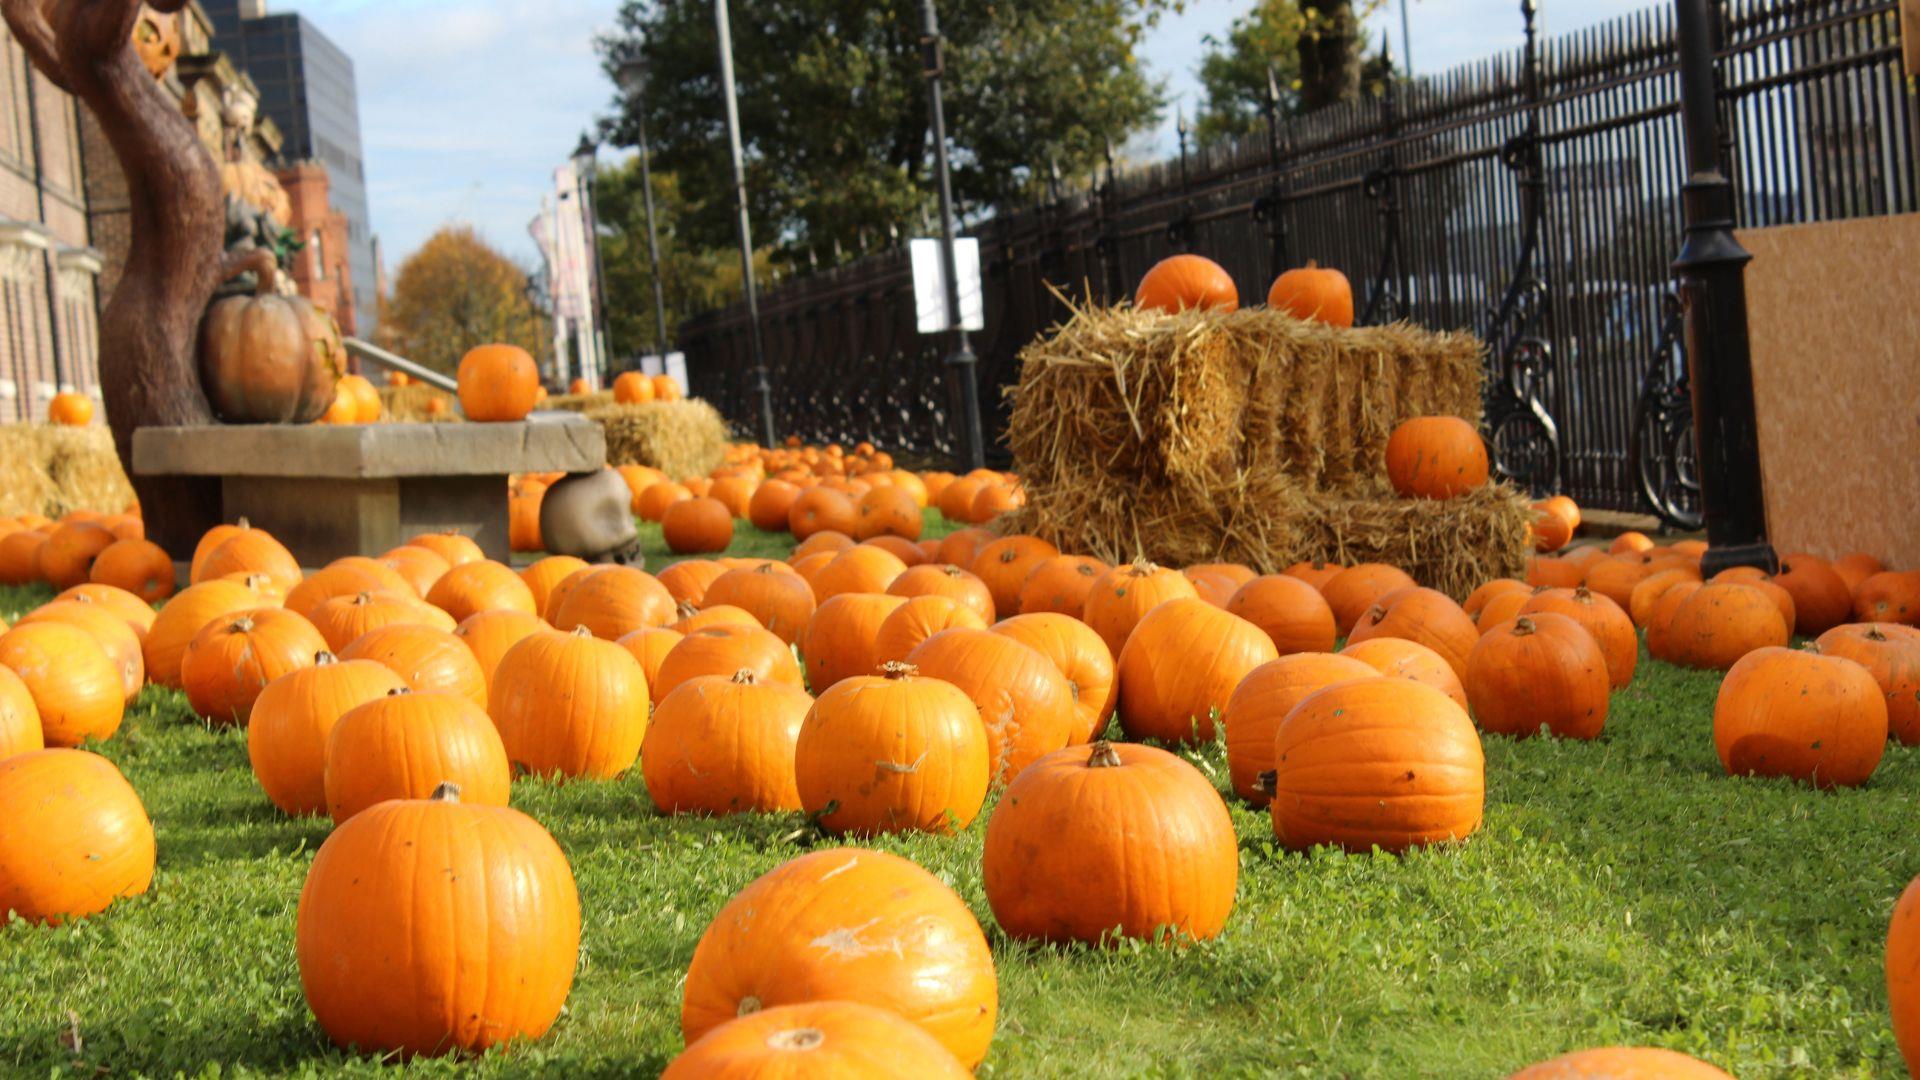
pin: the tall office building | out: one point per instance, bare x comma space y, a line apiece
307, 87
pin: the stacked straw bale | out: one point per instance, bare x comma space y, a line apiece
408, 405
50, 470
680, 438
1248, 436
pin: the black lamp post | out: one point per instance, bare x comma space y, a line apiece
632, 76
586, 160
962, 361
761, 386
1712, 271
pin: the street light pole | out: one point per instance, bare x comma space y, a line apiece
761, 387
962, 361
585, 166
633, 80
1712, 270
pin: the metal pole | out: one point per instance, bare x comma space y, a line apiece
604, 350
1406, 40
962, 361
761, 387
653, 246
1712, 271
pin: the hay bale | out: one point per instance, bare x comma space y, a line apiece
1453, 545
51, 470
580, 403
680, 438
408, 405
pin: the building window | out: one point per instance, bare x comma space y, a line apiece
319, 257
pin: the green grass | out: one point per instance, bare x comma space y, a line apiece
1621, 891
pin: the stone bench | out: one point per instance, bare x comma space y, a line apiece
327, 491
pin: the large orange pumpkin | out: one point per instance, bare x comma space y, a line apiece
942, 579
75, 687
1891, 654
1141, 835
1436, 457
1716, 625
691, 526
1263, 699
649, 647
1124, 595
112, 633
19, 718
724, 745
429, 926
887, 511
457, 548
1353, 590
853, 925
1023, 699
1423, 615
723, 649
74, 836
1903, 974
1179, 667
862, 568
426, 658
613, 601
892, 753
233, 658
918, 619
841, 638
267, 358
1313, 292
1385, 763
1398, 658
253, 551
1784, 712
1082, 659
570, 704
67, 557
1179, 282
1610, 627
1890, 596
141, 567
1060, 584
1539, 671
344, 619
497, 383
403, 745
1622, 1063
292, 717
1822, 599
471, 588
821, 509
781, 601
818, 1040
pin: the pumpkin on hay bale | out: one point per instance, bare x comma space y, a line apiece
1250, 437
50, 469
680, 438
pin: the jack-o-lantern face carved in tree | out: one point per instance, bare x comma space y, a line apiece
156, 37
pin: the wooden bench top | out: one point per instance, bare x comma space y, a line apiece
545, 442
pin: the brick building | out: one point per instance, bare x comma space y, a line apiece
323, 268
49, 338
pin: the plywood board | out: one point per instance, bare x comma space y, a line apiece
1834, 311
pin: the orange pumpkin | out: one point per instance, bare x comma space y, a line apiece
962, 546
1315, 573
1821, 598
892, 753
1179, 282
726, 649
110, 631
1487, 591
841, 637
898, 938
1397, 658
1081, 658
1179, 667
542, 576
253, 551
771, 504
457, 549
471, 588
1889, 596
650, 646
724, 745
951, 582
426, 658
1125, 594
1315, 293
1423, 615
632, 388
403, 745
267, 358
1263, 699
1647, 593
489, 634
1060, 584
1622, 1063
1385, 763
182, 617
1782, 712
1903, 973
140, 567
1891, 654
818, 1040
76, 690
887, 511
69, 409
475, 902
697, 525
20, 556
287, 733
822, 509
1142, 835
612, 601
688, 579
918, 619
1355, 589
570, 704
859, 569
497, 383
1004, 564
1716, 625
780, 601
1436, 457
67, 557
233, 658
19, 718
77, 837
1611, 628
1539, 671
1024, 701
1855, 568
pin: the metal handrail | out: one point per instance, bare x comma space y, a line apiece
372, 353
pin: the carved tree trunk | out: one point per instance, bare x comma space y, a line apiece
149, 327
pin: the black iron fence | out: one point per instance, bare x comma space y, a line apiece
1532, 197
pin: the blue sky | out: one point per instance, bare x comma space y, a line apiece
466, 107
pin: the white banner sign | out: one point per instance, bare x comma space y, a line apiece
930, 285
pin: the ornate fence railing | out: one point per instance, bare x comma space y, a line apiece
1532, 197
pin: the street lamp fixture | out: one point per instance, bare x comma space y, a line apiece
631, 75
585, 166
586, 157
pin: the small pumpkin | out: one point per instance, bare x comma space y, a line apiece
426, 658
497, 383
470, 588
632, 388
1353, 590
612, 601
1124, 595
817, 1040
853, 925
456, 548
141, 567
1539, 671
1436, 457
1385, 763
724, 745
1179, 282
1717, 624
1423, 615
1856, 567
1822, 599
1891, 654
253, 551
74, 836
1889, 596
292, 717
233, 658
1141, 835
1023, 700
1060, 585
1315, 573
1263, 699
67, 557
1622, 1063
1315, 293
1484, 593
782, 602
892, 753
430, 926
951, 582
723, 649
841, 637
1081, 658
1600, 617
570, 704
1398, 658
395, 745
1004, 564
697, 525
822, 509
859, 569
1797, 713
1179, 667
76, 689
1903, 973
770, 504
345, 577
69, 409
342, 619
268, 358
887, 511
111, 632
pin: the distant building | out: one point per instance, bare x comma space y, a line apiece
49, 329
321, 268
307, 88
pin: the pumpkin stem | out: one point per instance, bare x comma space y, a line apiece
323, 658
582, 631
1523, 626
1267, 782
1873, 633
1104, 756
685, 609
745, 677
1313, 264
398, 690
241, 522
798, 1039
898, 669
447, 791
1141, 567
241, 625
748, 1006
363, 598
1582, 594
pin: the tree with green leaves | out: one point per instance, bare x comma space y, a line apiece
833, 108
1314, 49
457, 292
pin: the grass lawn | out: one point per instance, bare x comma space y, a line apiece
1621, 891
